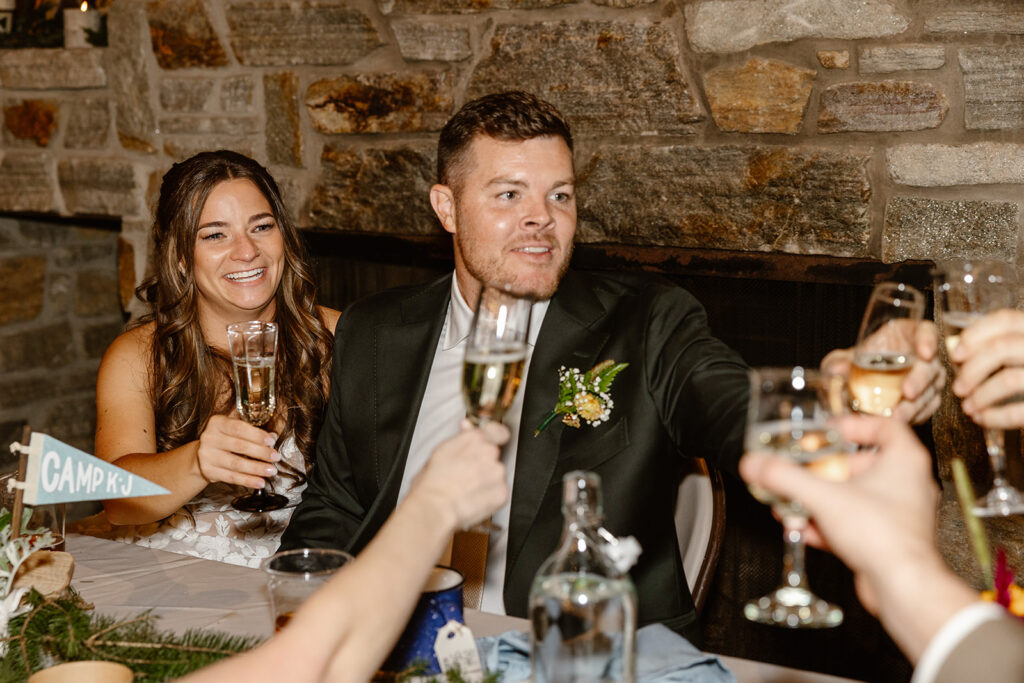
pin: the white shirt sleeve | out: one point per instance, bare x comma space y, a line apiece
949, 636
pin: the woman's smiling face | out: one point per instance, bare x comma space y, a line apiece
239, 254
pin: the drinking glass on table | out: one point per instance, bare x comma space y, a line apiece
884, 353
789, 418
495, 354
253, 347
964, 292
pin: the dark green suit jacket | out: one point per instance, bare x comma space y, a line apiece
683, 394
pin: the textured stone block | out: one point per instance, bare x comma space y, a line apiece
41, 346
182, 36
605, 77
736, 25
918, 228
126, 280
26, 183
96, 292
22, 282
52, 69
181, 148
805, 201
88, 123
268, 33
284, 126
834, 59
236, 93
993, 87
1007, 19
375, 190
381, 103
209, 125
96, 338
185, 94
762, 96
884, 106
129, 79
42, 386
104, 187
427, 41
980, 163
464, 6
889, 58
34, 120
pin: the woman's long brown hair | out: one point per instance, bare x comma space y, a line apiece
188, 375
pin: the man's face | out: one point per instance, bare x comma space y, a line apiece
512, 210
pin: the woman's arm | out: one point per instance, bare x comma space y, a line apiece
348, 627
126, 437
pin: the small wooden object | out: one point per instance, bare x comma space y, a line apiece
48, 571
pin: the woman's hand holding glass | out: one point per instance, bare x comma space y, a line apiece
990, 355
235, 452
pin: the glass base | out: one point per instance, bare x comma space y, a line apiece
793, 608
258, 501
1001, 501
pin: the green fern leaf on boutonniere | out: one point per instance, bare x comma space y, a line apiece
584, 396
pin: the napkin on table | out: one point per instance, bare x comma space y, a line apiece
663, 656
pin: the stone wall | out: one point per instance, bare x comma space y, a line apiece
880, 129
59, 309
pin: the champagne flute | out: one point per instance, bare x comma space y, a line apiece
965, 291
789, 418
884, 353
495, 354
253, 347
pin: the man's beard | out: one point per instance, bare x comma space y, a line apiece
490, 272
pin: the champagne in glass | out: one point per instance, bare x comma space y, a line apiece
789, 418
884, 353
964, 292
253, 347
495, 354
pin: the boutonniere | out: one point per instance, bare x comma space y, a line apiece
584, 395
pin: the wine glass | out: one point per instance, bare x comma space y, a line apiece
965, 291
789, 418
884, 352
253, 347
495, 354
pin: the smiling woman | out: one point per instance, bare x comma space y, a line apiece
225, 252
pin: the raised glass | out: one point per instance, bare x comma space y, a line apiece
964, 292
789, 417
253, 346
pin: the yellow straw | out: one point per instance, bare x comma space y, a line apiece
965, 492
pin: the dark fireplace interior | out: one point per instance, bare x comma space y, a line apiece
774, 310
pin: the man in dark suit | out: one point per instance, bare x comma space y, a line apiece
506, 193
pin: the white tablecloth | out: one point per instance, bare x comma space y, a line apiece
123, 580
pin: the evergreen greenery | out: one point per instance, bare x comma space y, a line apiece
65, 629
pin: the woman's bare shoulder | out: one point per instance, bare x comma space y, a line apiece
329, 317
132, 348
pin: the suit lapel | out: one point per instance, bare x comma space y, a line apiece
404, 353
566, 340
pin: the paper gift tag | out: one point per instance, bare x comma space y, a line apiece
456, 649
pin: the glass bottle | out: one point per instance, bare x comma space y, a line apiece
582, 607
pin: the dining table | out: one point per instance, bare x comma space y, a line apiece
123, 580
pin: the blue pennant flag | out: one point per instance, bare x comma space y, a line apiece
59, 473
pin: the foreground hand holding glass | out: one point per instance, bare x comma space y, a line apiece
788, 417
964, 292
253, 347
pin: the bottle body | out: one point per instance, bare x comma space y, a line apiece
583, 610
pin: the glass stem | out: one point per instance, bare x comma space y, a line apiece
994, 444
794, 574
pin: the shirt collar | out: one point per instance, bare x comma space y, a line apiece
460, 319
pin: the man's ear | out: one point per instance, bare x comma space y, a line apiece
443, 201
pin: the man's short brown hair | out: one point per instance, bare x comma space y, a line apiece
512, 115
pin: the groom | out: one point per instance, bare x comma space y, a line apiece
506, 193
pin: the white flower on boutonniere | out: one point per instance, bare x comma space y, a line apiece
584, 395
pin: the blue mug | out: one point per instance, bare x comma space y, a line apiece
440, 602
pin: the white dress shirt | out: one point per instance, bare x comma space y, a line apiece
442, 410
